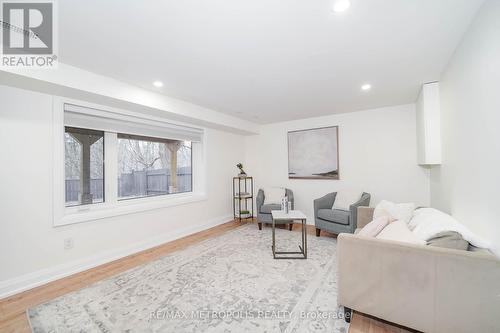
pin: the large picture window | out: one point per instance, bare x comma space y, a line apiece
109, 162
84, 166
152, 166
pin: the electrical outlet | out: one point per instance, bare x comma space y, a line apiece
68, 243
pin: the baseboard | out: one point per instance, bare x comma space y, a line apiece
31, 280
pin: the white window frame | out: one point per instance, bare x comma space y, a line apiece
63, 215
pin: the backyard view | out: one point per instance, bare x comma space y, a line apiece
149, 166
146, 166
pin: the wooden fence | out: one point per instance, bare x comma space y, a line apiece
135, 184
72, 189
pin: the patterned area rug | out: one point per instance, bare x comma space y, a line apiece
229, 283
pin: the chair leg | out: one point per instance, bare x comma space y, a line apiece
290, 226
260, 225
318, 232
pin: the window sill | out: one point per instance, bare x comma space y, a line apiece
100, 211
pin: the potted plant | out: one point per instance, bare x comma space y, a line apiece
242, 173
244, 214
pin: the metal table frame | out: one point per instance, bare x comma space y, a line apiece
303, 248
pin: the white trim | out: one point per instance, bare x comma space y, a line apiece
95, 212
58, 200
44, 276
199, 165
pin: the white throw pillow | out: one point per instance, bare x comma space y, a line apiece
399, 231
402, 212
273, 195
373, 228
344, 199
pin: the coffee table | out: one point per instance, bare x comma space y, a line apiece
279, 216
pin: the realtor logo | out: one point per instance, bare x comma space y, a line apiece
28, 34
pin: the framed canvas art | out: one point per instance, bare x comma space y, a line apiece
314, 153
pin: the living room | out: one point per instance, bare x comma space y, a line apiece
258, 166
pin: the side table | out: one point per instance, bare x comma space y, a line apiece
280, 216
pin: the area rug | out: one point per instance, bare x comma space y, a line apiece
229, 283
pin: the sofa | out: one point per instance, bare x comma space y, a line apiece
427, 288
336, 220
264, 210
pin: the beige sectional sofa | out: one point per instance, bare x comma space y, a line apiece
426, 288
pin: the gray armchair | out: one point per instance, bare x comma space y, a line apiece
336, 220
264, 211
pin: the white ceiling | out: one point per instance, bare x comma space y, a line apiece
267, 60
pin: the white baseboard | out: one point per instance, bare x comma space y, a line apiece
31, 280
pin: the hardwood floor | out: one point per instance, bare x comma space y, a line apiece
13, 309
362, 323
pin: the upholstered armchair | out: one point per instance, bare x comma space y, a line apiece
337, 220
264, 210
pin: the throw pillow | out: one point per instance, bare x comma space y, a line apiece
373, 228
399, 231
449, 240
428, 222
344, 199
273, 195
401, 212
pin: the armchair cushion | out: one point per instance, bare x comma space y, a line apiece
344, 199
267, 208
273, 195
334, 215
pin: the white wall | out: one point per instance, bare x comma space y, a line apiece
377, 155
31, 249
467, 183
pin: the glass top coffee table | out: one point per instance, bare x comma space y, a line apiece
279, 216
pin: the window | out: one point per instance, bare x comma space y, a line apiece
153, 166
110, 162
84, 166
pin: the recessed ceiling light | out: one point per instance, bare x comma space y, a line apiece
158, 84
340, 6
366, 87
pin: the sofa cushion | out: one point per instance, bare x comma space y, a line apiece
334, 215
401, 211
399, 231
373, 228
449, 240
266, 209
